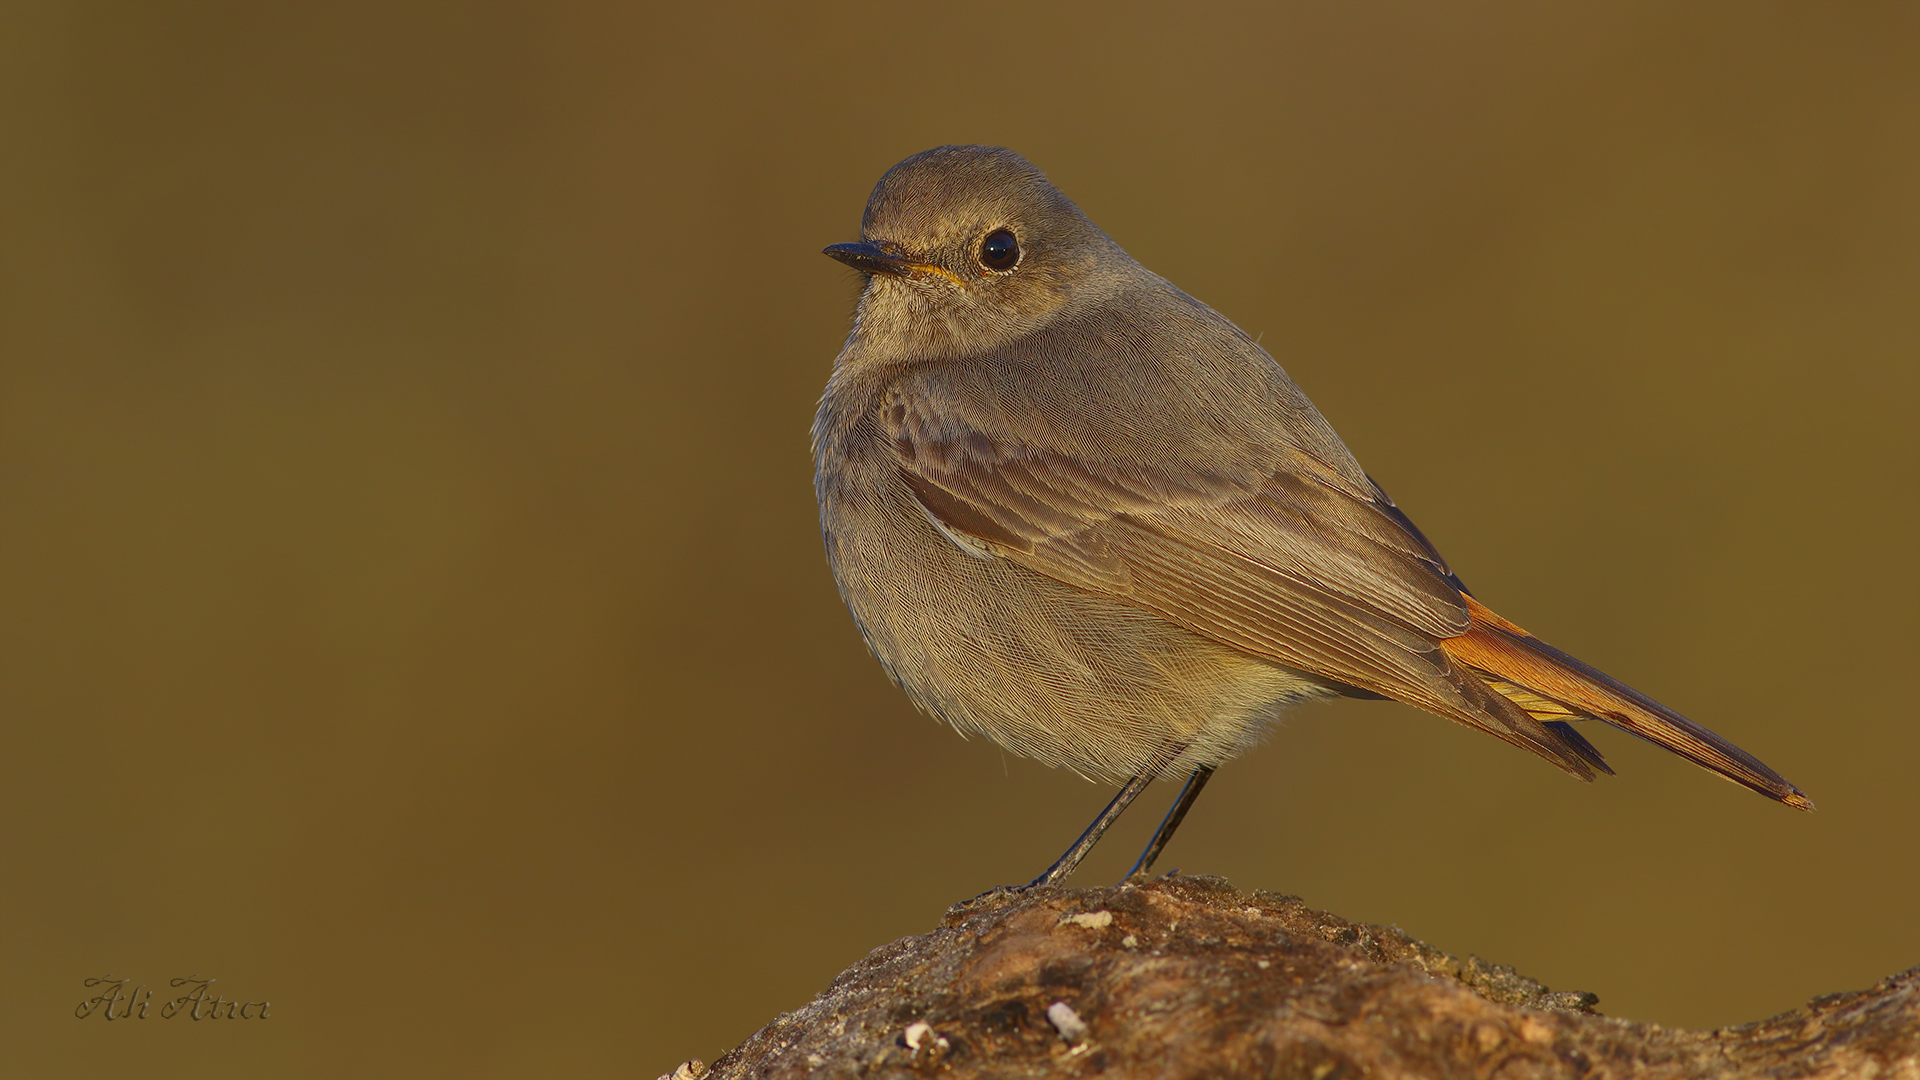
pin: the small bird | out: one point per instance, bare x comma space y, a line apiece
1078, 511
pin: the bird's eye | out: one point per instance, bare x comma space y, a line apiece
999, 251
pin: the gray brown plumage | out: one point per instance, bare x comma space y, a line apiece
1078, 511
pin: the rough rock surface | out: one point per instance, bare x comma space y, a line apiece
1187, 977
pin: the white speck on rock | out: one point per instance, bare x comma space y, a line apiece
1129, 942
1092, 920
1263, 964
1066, 1021
920, 1034
694, 1069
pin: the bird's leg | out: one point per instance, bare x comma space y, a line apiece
1172, 821
1065, 863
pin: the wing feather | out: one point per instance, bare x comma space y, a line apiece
1283, 559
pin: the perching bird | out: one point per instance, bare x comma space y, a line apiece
1078, 511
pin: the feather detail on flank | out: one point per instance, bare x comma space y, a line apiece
1554, 688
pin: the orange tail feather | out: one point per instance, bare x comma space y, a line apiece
1555, 688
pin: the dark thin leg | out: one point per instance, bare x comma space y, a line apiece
1065, 864
1174, 816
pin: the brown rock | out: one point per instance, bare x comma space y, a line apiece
1187, 977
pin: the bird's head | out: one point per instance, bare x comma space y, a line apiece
967, 247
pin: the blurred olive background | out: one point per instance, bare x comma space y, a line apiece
411, 605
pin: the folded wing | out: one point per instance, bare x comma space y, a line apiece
1275, 553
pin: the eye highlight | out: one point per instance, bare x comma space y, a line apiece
999, 251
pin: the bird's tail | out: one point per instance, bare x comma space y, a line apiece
1555, 689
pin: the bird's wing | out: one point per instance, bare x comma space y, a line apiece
1273, 552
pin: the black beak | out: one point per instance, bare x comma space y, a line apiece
867, 258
